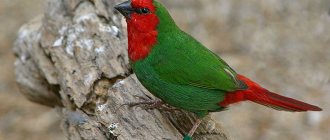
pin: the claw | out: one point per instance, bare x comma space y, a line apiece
151, 104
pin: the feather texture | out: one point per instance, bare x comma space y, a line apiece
257, 94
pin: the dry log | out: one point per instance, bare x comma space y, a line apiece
74, 58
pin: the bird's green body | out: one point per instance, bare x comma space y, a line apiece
182, 72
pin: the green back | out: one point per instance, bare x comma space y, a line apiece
180, 59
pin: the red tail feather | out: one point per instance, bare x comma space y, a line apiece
262, 96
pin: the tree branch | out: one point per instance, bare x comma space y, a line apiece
74, 58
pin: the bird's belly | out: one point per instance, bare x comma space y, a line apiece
186, 97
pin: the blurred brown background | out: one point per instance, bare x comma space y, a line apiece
283, 45
20, 119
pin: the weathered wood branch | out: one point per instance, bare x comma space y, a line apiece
74, 58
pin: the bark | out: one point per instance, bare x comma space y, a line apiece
74, 58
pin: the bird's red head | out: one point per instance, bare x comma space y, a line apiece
143, 4
142, 24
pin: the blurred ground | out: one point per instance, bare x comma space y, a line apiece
283, 45
19, 118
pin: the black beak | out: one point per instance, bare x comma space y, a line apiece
125, 8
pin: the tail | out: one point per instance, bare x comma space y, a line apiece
257, 94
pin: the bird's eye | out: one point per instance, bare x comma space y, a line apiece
143, 11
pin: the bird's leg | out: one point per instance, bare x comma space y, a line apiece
193, 129
150, 102
163, 106
153, 104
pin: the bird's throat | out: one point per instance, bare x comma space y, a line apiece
142, 35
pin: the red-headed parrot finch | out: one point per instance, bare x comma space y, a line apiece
183, 73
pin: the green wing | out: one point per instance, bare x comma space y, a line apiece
185, 61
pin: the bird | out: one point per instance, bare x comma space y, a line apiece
182, 72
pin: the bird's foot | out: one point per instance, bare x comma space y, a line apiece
151, 104
163, 106
192, 130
